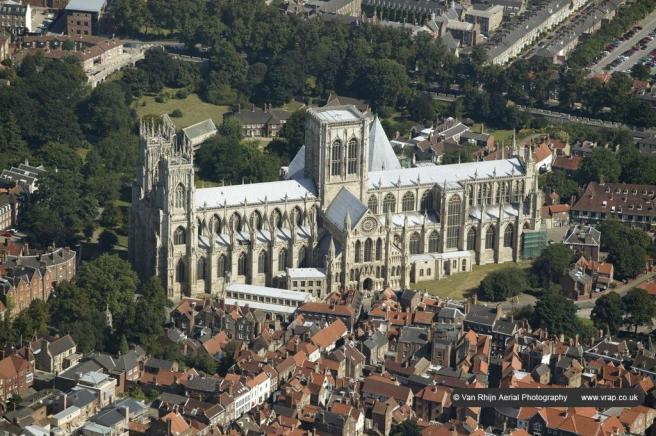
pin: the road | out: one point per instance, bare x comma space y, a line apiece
648, 24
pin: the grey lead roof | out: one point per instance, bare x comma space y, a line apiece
345, 203
200, 129
296, 167
381, 153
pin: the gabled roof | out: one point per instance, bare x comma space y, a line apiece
381, 153
296, 167
343, 204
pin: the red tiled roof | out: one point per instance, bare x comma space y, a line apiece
568, 163
329, 334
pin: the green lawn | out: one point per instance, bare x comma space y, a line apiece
461, 285
193, 109
504, 135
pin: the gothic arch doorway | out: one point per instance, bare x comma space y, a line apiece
368, 284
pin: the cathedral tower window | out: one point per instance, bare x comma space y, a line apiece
262, 262
415, 244
352, 165
282, 260
427, 201
471, 239
509, 236
372, 204
368, 246
180, 236
453, 222
179, 197
242, 264
408, 202
389, 203
434, 242
490, 236
336, 158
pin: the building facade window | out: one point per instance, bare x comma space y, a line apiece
434, 242
471, 239
180, 272
368, 249
389, 203
509, 236
379, 249
352, 164
180, 236
179, 196
221, 266
262, 262
372, 204
453, 222
336, 158
426, 201
408, 202
282, 260
201, 269
242, 264
490, 236
357, 249
415, 243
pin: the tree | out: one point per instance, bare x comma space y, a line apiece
202, 361
107, 240
131, 16
602, 164
291, 137
385, 83
560, 183
111, 216
13, 148
502, 284
627, 247
641, 72
607, 313
552, 263
151, 314
405, 428
556, 314
422, 108
639, 308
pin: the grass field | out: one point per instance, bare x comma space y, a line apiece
193, 109
504, 135
461, 285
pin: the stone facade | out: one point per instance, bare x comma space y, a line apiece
346, 206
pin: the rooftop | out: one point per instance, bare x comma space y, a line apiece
86, 5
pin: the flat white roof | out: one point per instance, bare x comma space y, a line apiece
278, 308
438, 174
265, 291
427, 257
255, 193
306, 273
337, 115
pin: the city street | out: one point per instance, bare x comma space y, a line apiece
648, 24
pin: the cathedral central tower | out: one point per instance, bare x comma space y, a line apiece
337, 151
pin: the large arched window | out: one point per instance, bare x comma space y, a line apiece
368, 249
302, 257
427, 201
509, 236
298, 216
506, 191
352, 165
415, 243
453, 222
262, 262
487, 193
471, 239
497, 194
408, 202
282, 259
221, 266
180, 272
242, 264
490, 236
336, 158
379, 249
235, 222
372, 204
179, 198
358, 248
518, 193
470, 195
434, 242
180, 236
200, 267
389, 203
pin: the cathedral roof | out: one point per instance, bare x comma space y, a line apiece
343, 204
381, 153
255, 193
438, 174
297, 165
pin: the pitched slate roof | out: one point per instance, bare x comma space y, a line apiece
200, 129
296, 167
